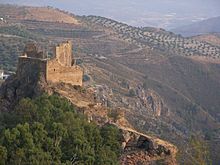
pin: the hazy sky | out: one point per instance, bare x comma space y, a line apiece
163, 13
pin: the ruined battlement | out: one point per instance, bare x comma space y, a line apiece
31, 50
60, 68
63, 53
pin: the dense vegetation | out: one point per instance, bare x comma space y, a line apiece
47, 130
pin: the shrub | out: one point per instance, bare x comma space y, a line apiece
131, 93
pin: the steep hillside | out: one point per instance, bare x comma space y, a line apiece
165, 84
211, 25
123, 144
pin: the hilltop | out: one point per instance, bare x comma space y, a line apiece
166, 84
46, 14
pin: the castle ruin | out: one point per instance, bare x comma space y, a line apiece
60, 68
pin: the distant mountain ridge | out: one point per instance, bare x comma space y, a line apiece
211, 25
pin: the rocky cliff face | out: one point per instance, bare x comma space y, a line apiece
146, 101
152, 101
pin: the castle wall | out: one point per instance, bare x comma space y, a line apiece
31, 68
58, 73
63, 52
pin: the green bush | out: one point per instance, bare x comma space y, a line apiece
131, 93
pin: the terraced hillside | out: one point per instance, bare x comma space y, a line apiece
157, 39
158, 79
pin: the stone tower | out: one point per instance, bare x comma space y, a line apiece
63, 53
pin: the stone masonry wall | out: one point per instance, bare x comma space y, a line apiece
31, 69
58, 73
63, 52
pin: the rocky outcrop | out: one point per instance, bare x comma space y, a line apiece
147, 101
153, 102
139, 148
16, 88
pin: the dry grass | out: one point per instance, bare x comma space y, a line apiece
49, 14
